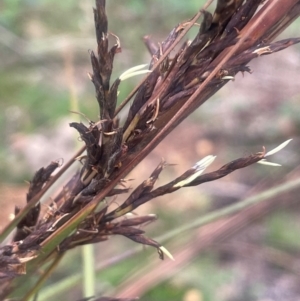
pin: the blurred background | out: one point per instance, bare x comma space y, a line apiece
43, 75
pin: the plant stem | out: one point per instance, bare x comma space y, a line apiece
88, 270
234, 208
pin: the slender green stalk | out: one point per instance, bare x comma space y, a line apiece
88, 270
87, 250
234, 208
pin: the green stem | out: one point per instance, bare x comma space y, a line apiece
88, 270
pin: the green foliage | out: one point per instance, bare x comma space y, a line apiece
165, 291
283, 230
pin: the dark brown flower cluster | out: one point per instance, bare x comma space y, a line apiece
175, 87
